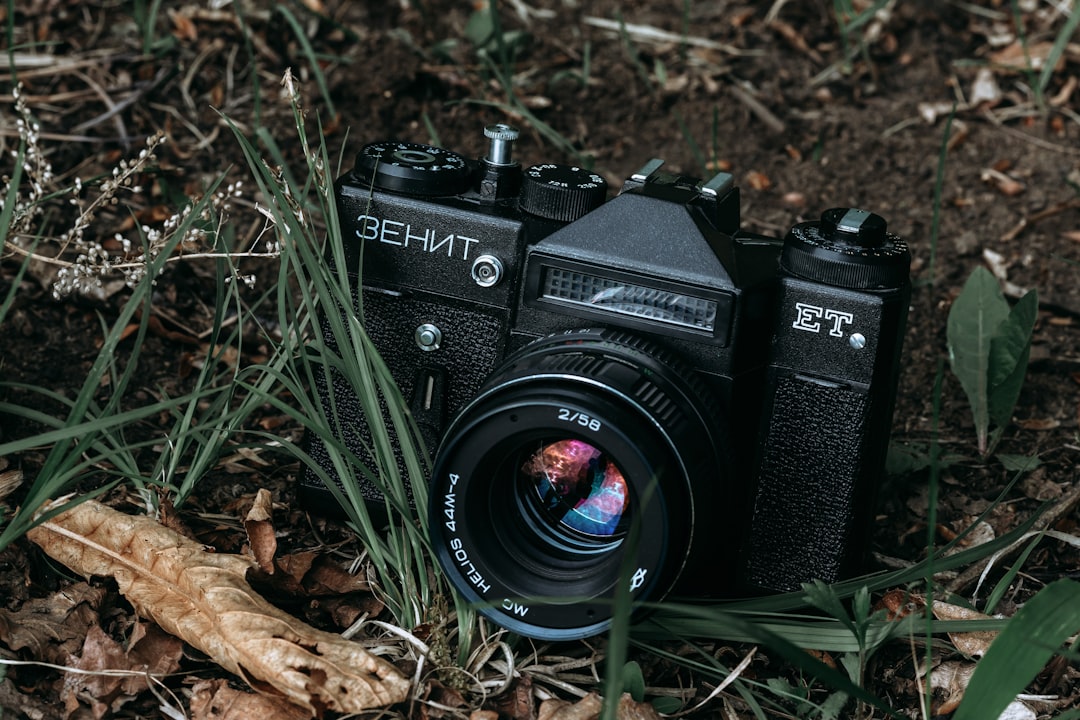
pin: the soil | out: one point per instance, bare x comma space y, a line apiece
924, 114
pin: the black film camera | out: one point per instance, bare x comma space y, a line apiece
630, 390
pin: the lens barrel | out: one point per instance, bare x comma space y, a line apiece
578, 466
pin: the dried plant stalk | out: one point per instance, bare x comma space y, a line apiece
203, 598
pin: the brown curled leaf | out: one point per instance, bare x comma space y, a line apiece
259, 525
204, 599
215, 700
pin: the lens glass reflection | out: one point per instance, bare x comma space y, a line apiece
578, 487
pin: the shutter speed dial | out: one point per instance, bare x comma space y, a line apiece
412, 168
848, 248
561, 192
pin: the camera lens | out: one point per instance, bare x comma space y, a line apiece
577, 467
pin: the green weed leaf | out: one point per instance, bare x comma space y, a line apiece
973, 320
663, 705
1009, 352
989, 347
480, 27
633, 681
1019, 463
913, 457
1021, 650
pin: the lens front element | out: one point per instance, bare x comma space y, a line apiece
578, 487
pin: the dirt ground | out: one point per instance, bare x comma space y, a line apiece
805, 116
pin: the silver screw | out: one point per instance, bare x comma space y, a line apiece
428, 337
502, 138
857, 341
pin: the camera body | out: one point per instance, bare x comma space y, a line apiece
626, 391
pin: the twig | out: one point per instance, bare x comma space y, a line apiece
53, 65
1051, 516
774, 11
185, 86
205, 141
60, 262
1036, 217
64, 137
114, 108
111, 110
731, 677
1038, 142
755, 106
648, 33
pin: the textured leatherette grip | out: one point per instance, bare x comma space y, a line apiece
469, 351
806, 492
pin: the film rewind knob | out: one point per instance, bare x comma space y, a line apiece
561, 192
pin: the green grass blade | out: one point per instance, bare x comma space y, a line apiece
7, 215
1007, 579
1060, 43
788, 602
328, 291
88, 426
1022, 649
730, 624
939, 185
309, 52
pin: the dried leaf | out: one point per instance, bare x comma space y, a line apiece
1019, 56
587, 708
900, 603
1040, 424
630, 709
53, 627
327, 577
151, 652
183, 29
99, 652
344, 612
982, 533
215, 700
951, 680
308, 573
758, 180
292, 569
517, 703
972, 644
9, 480
170, 518
260, 530
154, 650
1017, 710
18, 704
985, 89
1006, 185
204, 599
448, 698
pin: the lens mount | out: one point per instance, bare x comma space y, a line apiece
577, 466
